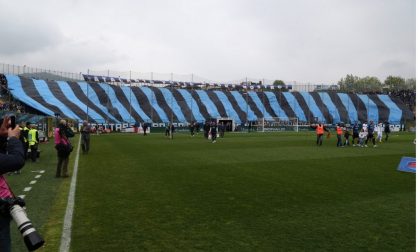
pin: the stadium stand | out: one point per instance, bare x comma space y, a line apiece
103, 102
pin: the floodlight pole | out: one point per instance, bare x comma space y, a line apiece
130, 99
87, 106
192, 81
172, 98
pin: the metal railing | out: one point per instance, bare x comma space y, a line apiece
51, 74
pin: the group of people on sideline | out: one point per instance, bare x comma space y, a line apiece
361, 136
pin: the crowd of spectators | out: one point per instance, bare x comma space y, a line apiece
12, 106
408, 97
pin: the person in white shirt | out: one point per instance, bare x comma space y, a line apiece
379, 130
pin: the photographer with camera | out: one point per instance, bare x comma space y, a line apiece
63, 146
12, 158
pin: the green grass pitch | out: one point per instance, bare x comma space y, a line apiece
246, 192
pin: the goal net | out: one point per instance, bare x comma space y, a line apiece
277, 124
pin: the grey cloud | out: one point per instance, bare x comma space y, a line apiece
21, 37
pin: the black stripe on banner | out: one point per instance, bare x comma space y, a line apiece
119, 93
235, 105
407, 114
285, 105
308, 114
342, 110
105, 101
29, 87
383, 110
58, 93
252, 105
360, 107
266, 104
160, 99
185, 106
322, 107
82, 97
219, 105
145, 104
202, 108
175, 101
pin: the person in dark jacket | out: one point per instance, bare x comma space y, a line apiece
206, 129
12, 158
85, 137
387, 131
213, 131
370, 136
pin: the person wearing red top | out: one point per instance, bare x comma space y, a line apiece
63, 147
319, 129
339, 135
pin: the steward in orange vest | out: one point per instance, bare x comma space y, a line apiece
319, 129
339, 135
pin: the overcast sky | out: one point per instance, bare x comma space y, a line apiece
317, 41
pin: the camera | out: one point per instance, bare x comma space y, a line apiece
31, 237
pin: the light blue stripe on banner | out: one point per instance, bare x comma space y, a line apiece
332, 109
152, 100
260, 105
15, 86
231, 113
395, 113
294, 104
93, 97
49, 97
68, 92
193, 105
275, 105
244, 106
348, 104
173, 104
372, 109
116, 103
134, 103
211, 108
313, 107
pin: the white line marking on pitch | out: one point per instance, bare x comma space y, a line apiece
27, 189
22, 196
66, 236
32, 182
37, 176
